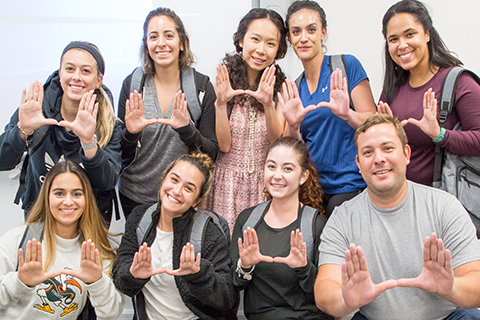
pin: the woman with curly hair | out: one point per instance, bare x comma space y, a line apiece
66, 261
247, 117
272, 260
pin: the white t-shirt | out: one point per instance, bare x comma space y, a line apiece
163, 301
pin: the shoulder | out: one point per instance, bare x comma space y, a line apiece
11, 239
136, 216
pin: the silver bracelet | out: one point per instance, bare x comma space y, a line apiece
91, 145
242, 273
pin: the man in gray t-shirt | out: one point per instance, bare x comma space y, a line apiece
399, 250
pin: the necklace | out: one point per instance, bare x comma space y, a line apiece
252, 115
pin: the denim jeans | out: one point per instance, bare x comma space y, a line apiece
459, 313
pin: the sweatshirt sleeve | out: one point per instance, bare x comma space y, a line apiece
202, 137
11, 288
122, 278
12, 145
107, 300
104, 168
212, 285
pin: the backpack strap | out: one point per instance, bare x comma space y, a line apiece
145, 223
138, 80
190, 90
199, 227
256, 215
299, 79
337, 61
307, 227
34, 230
447, 99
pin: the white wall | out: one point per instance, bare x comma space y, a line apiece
35, 32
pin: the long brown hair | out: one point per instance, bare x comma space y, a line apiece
90, 223
310, 193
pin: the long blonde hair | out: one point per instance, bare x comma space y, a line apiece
90, 223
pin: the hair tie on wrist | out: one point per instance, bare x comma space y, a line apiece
440, 136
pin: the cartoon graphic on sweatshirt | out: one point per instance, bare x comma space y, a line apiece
59, 292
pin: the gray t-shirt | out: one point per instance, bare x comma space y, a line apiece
392, 240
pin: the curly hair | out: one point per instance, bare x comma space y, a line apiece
236, 65
310, 193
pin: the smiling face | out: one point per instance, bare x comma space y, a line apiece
283, 173
180, 188
66, 203
383, 162
260, 45
163, 42
408, 43
306, 34
78, 74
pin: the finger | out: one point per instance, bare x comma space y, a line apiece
433, 247
92, 250
266, 258
293, 243
344, 273
389, 284
405, 122
83, 252
148, 254
426, 249
254, 236
348, 263
54, 274
95, 111
434, 108
40, 93
199, 258
158, 271
33, 255
246, 241
97, 257
172, 272
164, 121
66, 124
240, 245
24, 96
20, 257
448, 261
362, 260
81, 106
127, 106
414, 282
30, 91
440, 253
135, 259
355, 258
345, 85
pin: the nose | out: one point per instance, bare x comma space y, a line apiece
161, 41
77, 73
260, 49
277, 175
68, 201
176, 189
379, 158
303, 36
402, 43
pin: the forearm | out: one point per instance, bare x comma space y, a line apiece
195, 140
222, 128
106, 299
329, 298
275, 125
291, 131
355, 119
466, 291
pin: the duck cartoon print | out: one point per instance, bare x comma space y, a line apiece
60, 292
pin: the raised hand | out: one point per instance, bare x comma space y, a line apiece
90, 266
428, 124
249, 251
264, 92
179, 116
437, 273
339, 99
135, 120
384, 108
357, 286
188, 264
298, 251
223, 88
30, 116
86, 120
142, 264
30, 269
292, 107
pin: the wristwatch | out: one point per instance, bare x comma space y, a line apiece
91, 145
247, 275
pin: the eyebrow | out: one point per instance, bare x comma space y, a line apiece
260, 36
405, 31
62, 189
82, 66
283, 164
188, 182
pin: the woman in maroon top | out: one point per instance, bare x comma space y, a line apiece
416, 63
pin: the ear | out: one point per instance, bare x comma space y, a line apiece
240, 43
288, 37
304, 177
408, 153
100, 81
60, 73
324, 33
182, 47
197, 202
358, 164
427, 36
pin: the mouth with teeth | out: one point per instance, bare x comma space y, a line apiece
76, 88
382, 172
173, 199
406, 56
258, 60
67, 211
162, 53
277, 185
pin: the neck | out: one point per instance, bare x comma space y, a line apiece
252, 76
167, 75
67, 232
422, 74
391, 199
165, 222
69, 109
282, 212
313, 68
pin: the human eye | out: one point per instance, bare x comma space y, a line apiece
392, 39
288, 169
189, 189
169, 36
78, 194
152, 37
270, 166
367, 152
312, 30
271, 44
86, 71
58, 193
174, 179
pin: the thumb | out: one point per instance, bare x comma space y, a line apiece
66, 124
